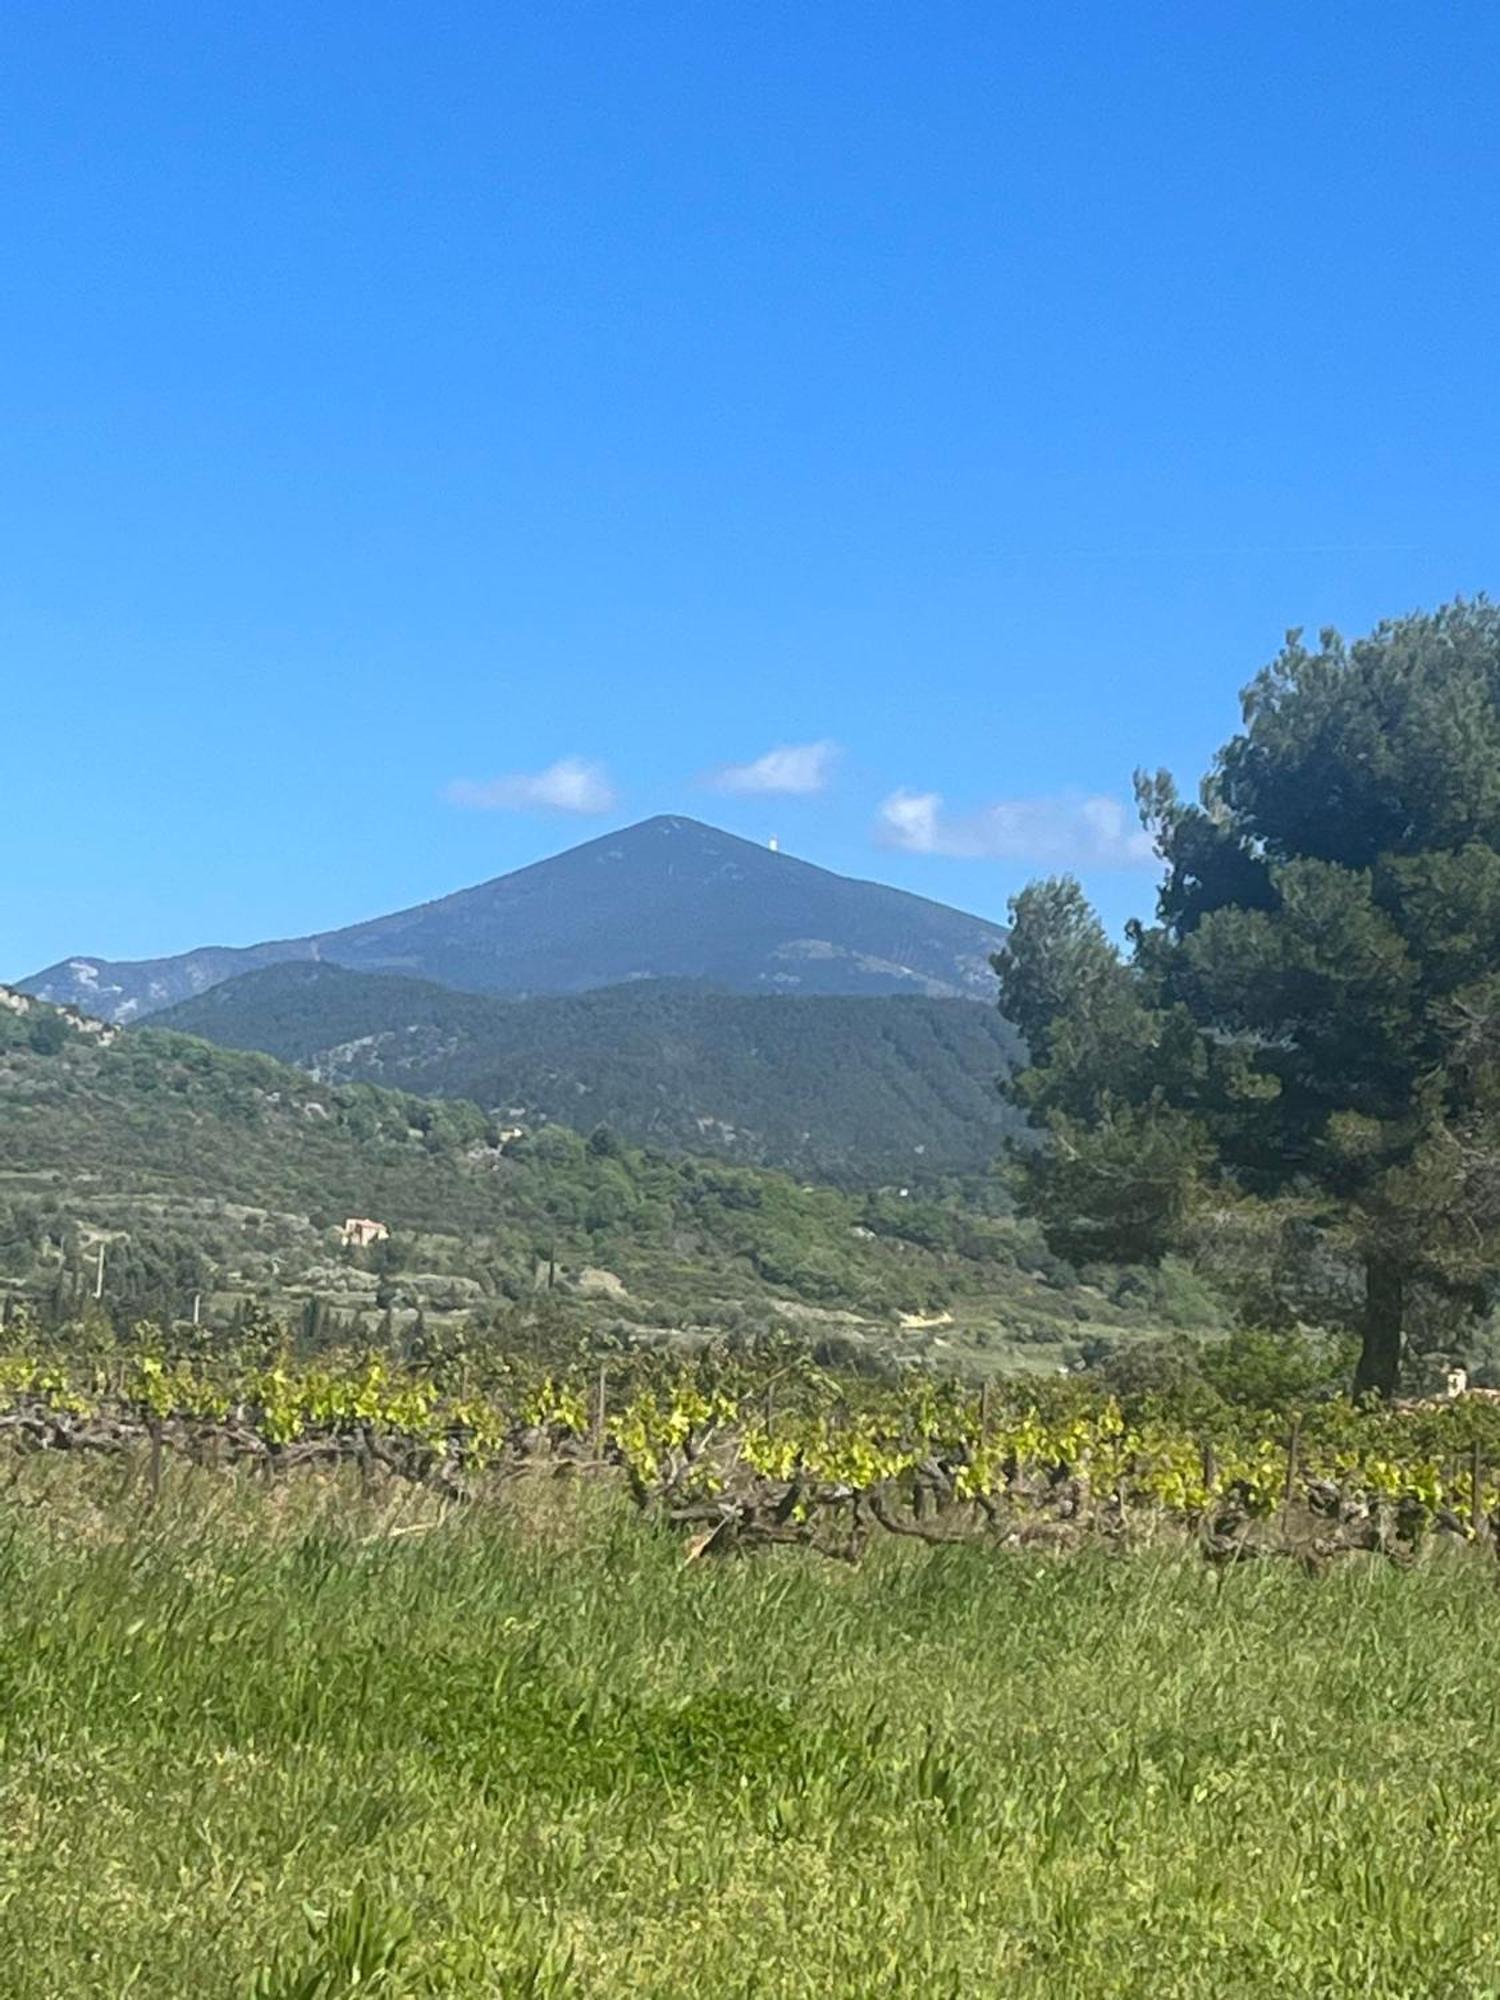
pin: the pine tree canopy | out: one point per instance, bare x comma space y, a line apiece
1304, 1047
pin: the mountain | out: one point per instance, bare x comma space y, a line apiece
667, 899
846, 1088
223, 1174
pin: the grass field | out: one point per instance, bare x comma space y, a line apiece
302, 1743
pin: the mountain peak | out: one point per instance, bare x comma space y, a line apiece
667, 898
655, 835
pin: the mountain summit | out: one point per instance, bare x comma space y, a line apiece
669, 898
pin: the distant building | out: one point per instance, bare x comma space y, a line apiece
359, 1232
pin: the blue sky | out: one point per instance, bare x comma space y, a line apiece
430, 436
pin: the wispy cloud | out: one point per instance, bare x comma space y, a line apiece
1071, 830
571, 785
795, 768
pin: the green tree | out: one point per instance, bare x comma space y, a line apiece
1310, 1030
48, 1033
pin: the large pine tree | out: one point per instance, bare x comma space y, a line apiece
1310, 1029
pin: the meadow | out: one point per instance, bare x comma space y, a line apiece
323, 1737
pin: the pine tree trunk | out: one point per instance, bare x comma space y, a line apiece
1380, 1350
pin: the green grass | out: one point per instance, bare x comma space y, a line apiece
261, 1743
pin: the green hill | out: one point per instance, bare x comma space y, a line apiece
855, 1089
228, 1174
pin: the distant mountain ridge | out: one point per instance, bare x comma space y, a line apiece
669, 898
856, 1089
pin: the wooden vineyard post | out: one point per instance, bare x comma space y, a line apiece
153, 1463
985, 1400
1476, 1493
600, 1409
1291, 1473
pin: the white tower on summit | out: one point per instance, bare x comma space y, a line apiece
774, 844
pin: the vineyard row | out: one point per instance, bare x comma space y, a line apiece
731, 1470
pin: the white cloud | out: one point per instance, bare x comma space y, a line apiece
1072, 830
797, 768
571, 785
910, 820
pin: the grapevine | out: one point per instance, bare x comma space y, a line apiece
711, 1455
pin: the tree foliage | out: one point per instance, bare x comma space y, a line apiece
1310, 1029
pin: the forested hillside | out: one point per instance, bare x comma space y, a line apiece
204, 1170
855, 1089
